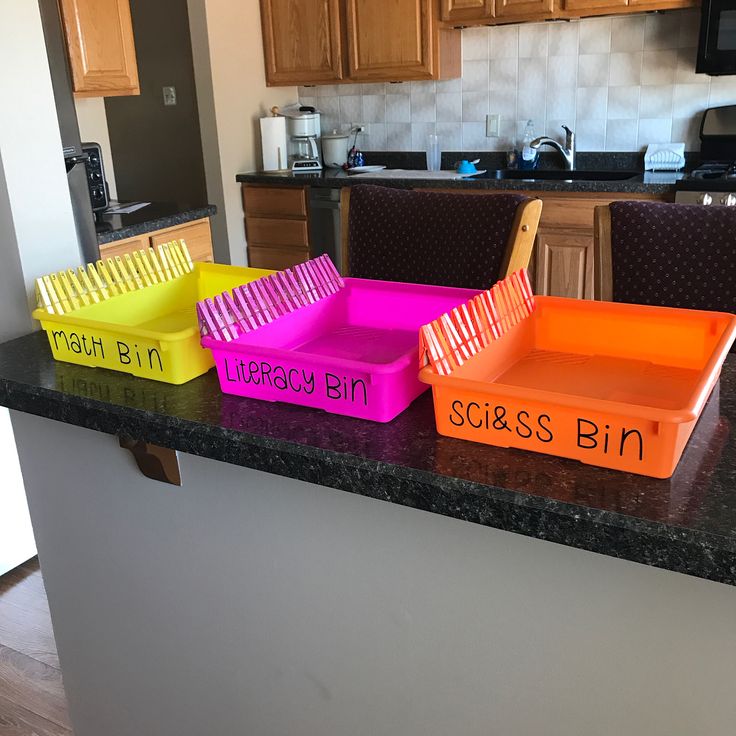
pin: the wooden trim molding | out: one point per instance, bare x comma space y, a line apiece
521, 238
602, 254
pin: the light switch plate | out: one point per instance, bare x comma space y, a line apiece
169, 96
493, 126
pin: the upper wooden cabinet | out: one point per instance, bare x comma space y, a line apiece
577, 8
301, 41
459, 10
324, 41
506, 9
99, 35
378, 54
582, 5
458, 13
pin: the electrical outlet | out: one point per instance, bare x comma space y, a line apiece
169, 96
493, 126
360, 127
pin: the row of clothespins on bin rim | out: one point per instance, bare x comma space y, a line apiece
445, 343
252, 305
65, 291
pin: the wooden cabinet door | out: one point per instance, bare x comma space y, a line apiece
390, 41
662, 4
121, 247
582, 5
276, 258
265, 201
196, 235
99, 35
523, 8
301, 41
564, 264
267, 231
466, 10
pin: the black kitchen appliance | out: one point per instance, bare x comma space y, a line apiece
72, 151
717, 46
98, 192
714, 181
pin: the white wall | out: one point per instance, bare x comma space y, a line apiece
36, 224
93, 128
30, 148
620, 83
232, 96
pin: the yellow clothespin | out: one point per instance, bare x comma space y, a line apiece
69, 291
140, 266
186, 256
92, 290
80, 290
113, 289
61, 301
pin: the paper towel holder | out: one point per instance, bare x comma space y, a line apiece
274, 142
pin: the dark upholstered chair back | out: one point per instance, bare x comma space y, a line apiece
437, 238
673, 255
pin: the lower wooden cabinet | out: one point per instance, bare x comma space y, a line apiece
562, 261
276, 257
563, 250
277, 229
195, 234
121, 247
564, 264
276, 225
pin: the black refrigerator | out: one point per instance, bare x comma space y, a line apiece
71, 144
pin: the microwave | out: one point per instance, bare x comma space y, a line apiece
717, 46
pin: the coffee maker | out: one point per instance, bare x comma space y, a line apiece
302, 128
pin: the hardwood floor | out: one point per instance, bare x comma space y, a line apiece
32, 700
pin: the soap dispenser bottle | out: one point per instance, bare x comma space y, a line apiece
529, 155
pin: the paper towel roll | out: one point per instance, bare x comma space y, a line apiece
273, 143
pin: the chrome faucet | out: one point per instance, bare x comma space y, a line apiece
568, 152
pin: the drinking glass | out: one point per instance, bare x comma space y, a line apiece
433, 152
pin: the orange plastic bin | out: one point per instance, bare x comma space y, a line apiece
615, 385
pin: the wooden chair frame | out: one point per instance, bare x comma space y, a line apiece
518, 247
602, 255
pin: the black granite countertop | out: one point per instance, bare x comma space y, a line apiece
686, 523
662, 183
155, 216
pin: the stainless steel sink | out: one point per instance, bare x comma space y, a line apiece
577, 175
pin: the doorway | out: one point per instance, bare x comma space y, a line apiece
156, 145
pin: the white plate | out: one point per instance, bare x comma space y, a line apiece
365, 169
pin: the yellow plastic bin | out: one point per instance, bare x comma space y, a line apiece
135, 314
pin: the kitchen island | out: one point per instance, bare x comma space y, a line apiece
292, 217
321, 575
629, 166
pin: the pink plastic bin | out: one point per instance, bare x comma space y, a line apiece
352, 353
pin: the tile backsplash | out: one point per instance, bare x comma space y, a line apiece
619, 83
